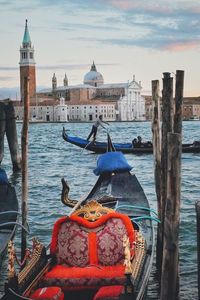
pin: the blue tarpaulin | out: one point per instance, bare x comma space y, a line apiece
112, 162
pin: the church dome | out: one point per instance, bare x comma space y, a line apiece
93, 77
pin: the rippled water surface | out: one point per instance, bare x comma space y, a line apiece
51, 158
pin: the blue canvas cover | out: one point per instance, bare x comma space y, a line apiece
3, 177
112, 162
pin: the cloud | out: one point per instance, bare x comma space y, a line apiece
6, 78
8, 68
150, 24
69, 66
184, 46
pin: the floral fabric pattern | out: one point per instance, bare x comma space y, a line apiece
72, 245
110, 243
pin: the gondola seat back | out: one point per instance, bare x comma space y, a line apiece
89, 253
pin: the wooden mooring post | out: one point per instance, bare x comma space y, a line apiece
156, 133
170, 266
24, 143
168, 181
8, 127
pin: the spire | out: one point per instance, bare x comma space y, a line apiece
65, 80
26, 38
54, 82
93, 67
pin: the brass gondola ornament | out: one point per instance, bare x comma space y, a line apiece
92, 211
127, 254
11, 260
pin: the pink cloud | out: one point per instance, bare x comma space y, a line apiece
130, 4
124, 4
183, 46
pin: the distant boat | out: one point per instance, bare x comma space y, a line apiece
127, 148
8, 213
195, 118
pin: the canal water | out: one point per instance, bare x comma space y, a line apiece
50, 158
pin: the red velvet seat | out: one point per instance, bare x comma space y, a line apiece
89, 253
109, 293
48, 293
89, 276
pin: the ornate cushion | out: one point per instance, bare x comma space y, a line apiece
79, 242
48, 293
89, 276
110, 242
109, 293
72, 245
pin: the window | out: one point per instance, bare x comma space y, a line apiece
31, 55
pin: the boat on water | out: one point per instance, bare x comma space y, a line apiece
8, 213
127, 148
103, 249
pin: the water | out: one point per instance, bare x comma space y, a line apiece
51, 158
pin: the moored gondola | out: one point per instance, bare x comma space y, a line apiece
127, 148
102, 250
8, 213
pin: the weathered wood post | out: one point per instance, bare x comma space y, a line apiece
167, 125
8, 126
198, 243
24, 144
11, 133
178, 101
2, 130
170, 266
170, 260
156, 132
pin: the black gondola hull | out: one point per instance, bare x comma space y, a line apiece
126, 148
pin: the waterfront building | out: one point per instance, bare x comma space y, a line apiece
118, 101
190, 108
82, 102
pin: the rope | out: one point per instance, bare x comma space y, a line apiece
26, 256
15, 223
146, 217
138, 207
9, 212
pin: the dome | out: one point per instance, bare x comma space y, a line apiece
93, 77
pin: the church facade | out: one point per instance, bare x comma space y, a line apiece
82, 102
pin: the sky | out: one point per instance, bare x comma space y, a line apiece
123, 37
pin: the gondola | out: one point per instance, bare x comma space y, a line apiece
102, 250
127, 148
8, 213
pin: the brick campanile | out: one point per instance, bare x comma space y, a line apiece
27, 66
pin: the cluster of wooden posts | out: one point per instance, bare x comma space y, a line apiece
167, 146
19, 162
8, 128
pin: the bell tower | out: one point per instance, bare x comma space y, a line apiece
54, 82
65, 81
27, 65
